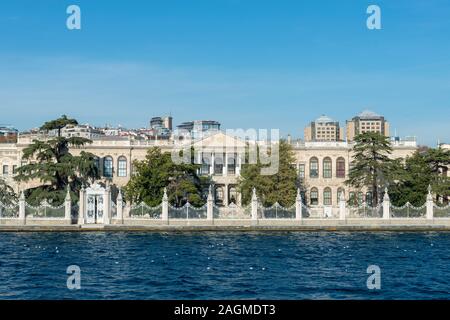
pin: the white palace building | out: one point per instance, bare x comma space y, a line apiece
322, 159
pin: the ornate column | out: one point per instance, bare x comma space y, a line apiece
82, 206
165, 208
209, 206
22, 214
254, 206
386, 205
119, 207
225, 195
430, 204
68, 207
342, 207
225, 166
298, 206
107, 205
211, 169
238, 164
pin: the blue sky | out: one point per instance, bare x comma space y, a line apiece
245, 63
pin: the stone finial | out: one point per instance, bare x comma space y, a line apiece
386, 194
68, 194
299, 196
429, 189
341, 196
22, 196
119, 196
165, 198
254, 197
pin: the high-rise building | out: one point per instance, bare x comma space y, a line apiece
162, 126
323, 129
367, 121
198, 128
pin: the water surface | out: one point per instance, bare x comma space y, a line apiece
285, 265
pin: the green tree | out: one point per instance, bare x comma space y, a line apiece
156, 172
7, 194
371, 166
438, 161
425, 167
51, 163
280, 187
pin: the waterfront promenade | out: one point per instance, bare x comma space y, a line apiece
107, 215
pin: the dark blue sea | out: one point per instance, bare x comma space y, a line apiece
296, 265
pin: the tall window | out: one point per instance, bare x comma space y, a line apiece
360, 198
219, 195
5, 170
122, 166
14, 169
340, 168
327, 170
301, 171
108, 167
314, 168
233, 195
314, 197
218, 163
231, 164
339, 191
327, 197
204, 169
352, 198
369, 199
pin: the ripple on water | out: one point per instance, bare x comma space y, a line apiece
291, 265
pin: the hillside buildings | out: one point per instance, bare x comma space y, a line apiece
322, 160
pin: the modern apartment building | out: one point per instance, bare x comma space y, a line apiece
324, 129
367, 121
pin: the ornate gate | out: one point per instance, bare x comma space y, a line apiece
95, 205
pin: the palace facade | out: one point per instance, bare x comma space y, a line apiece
322, 166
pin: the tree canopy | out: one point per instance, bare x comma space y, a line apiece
156, 172
280, 187
7, 194
413, 176
50, 162
371, 166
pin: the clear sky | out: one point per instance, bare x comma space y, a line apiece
245, 63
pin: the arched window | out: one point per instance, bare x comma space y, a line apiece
219, 195
233, 195
314, 196
327, 168
339, 191
352, 198
122, 166
369, 199
327, 201
360, 198
340, 168
108, 167
313, 168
